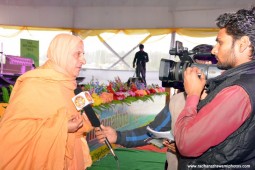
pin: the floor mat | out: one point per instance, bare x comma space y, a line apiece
131, 159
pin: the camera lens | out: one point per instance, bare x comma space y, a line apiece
171, 71
180, 68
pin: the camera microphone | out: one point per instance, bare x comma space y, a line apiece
83, 101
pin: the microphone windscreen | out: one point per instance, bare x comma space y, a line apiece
91, 116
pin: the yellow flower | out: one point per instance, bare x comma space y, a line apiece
97, 99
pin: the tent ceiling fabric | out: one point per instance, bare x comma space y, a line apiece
172, 4
116, 14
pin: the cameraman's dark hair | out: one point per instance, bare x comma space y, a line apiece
241, 23
141, 46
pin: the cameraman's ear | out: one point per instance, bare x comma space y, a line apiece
244, 44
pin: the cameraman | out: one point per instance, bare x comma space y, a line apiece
219, 129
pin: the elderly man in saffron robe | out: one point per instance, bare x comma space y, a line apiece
41, 128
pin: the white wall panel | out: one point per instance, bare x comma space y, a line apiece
37, 16
109, 17
198, 18
123, 17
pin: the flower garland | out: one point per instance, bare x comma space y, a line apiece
117, 92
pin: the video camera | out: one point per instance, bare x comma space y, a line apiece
171, 72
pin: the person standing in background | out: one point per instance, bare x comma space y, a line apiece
41, 124
140, 60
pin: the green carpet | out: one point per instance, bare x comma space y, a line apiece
131, 159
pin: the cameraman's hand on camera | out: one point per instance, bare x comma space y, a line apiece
194, 84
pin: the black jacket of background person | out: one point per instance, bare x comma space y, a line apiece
141, 57
136, 137
239, 147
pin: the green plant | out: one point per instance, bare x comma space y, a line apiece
5, 95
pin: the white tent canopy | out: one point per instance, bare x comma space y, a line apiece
92, 17
116, 14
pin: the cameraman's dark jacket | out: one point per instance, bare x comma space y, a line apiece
239, 147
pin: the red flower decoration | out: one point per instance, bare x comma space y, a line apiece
119, 96
152, 91
148, 91
133, 87
110, 89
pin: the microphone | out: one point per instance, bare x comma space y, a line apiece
82, 101
96, 123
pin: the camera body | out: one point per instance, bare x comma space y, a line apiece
171, 72
182, 52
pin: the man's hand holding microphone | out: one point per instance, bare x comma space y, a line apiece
83, 102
